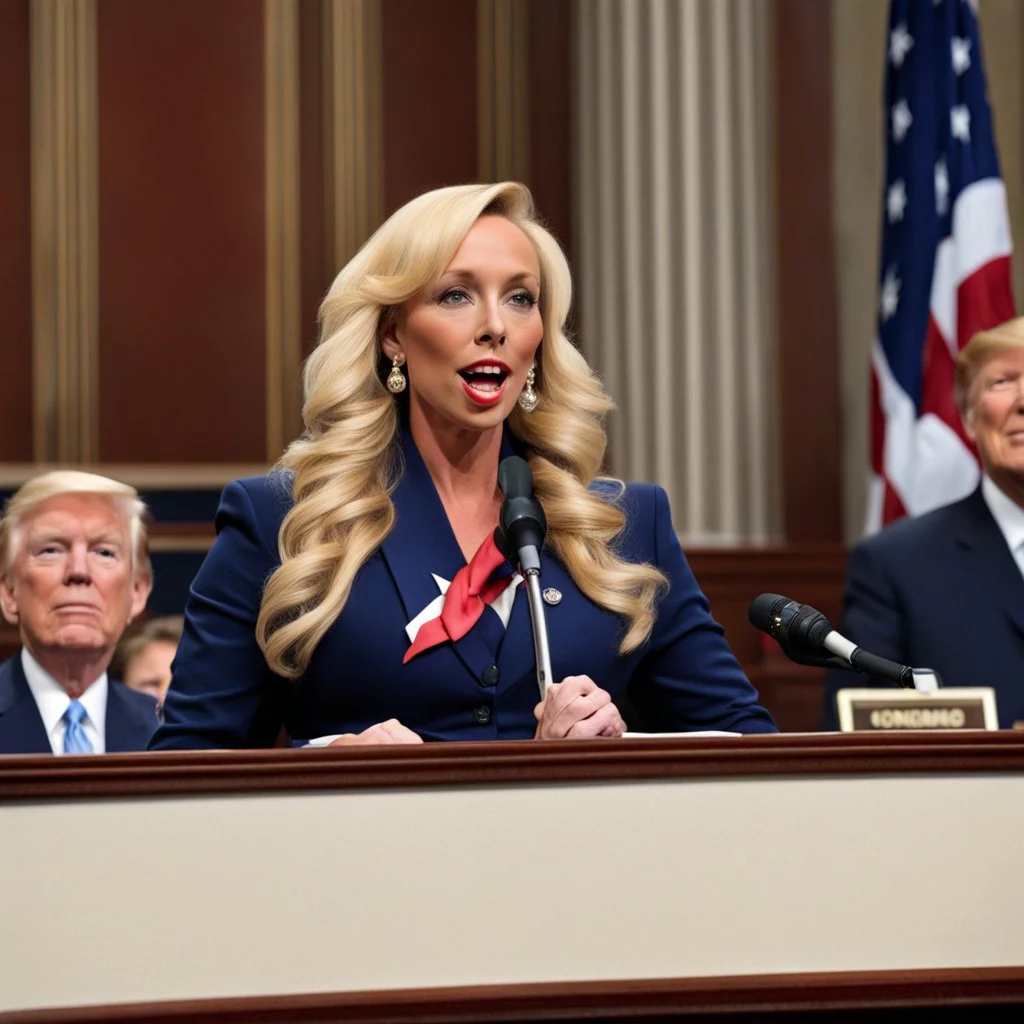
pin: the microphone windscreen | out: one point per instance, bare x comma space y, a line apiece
515, 478
809, 628
763, 610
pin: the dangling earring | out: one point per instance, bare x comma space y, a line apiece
396, 379
528, 396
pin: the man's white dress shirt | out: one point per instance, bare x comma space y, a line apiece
1009, 517
52, 701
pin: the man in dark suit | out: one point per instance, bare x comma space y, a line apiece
74, 571
945, 590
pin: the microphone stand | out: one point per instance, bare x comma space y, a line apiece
521, 529
802, 632
542, 653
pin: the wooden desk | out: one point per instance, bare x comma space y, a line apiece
635, 879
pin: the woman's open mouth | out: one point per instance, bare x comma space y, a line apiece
484, 383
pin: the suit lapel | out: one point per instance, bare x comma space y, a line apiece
21, 726
422, 544
422, 541
517, 658
127, 728
991, 559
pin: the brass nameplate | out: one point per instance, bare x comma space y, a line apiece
872, 710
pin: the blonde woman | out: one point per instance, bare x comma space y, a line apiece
324, 604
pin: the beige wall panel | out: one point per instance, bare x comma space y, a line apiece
320, 891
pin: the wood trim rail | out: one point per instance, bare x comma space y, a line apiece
474, 764
641, 1000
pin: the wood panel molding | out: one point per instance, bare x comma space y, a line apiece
504, 763
806, 298
962, 990
283, 243
65, 216
353, 129
143, 476
503, 95
179, 540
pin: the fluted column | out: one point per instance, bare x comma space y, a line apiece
284, 261
503, 83
674, 236
65, 212
352, 125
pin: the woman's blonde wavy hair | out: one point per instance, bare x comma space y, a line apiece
346, 465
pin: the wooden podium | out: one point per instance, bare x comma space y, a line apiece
641, 879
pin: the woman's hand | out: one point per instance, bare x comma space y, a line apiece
577, 708
391, 731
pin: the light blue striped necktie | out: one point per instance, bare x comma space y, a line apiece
75, 740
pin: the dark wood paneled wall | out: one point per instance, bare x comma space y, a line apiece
809, 573
808, 375
551, 127
430, 96
181, 226
16, 232
316, 274
182, 210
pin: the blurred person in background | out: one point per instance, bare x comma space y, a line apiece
74, 571
143, 658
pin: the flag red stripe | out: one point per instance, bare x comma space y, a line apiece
937, 381
984, 299
892, 507
877, 427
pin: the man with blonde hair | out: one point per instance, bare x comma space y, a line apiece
74, 571
945, 590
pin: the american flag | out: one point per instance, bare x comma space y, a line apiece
945, 270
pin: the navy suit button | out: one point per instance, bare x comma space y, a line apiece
482, 715
490, 676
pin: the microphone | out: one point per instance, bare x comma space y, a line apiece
807, 637
521, 520
519, 537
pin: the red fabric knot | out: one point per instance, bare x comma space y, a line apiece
464, 602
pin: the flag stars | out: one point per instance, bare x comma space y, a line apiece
902, 119
896, 201
900, 42
890, 297
960, 122
961, 54
941, 188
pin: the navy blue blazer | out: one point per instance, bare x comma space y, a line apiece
940, 591
224, 695
131, 716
